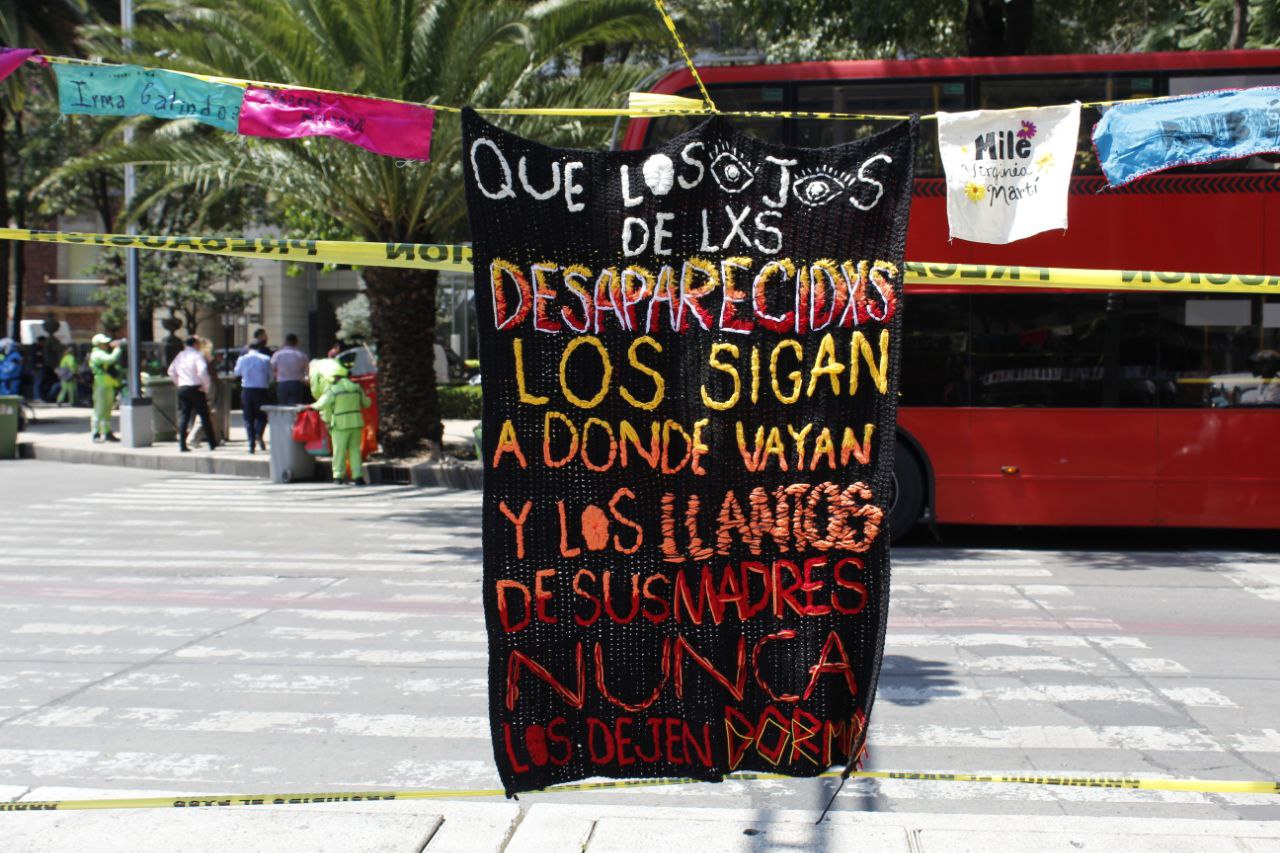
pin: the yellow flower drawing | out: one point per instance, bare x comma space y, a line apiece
1044, 162
975, 191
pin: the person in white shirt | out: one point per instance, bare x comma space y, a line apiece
190, 374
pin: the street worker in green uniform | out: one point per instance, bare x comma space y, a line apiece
104, 362
66, 373
341, 406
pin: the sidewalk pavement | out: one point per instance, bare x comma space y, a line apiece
62, 435
441, 826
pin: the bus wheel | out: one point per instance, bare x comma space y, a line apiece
906, 502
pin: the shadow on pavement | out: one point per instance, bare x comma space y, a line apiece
909, 681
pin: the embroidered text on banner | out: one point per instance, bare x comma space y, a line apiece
691, 365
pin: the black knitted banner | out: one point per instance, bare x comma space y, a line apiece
690, 358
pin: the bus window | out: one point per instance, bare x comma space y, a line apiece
729, 98
1221, 351
1002, 93
936, 370
893, 97
1078, 350
1190, 84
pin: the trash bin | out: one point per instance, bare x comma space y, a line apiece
10, 410
289, 459
221, 396
164, 406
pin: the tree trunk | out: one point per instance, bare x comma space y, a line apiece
999, 27
19, 276
984, 27
102, 200
6, 246
20, 251
402, 311
593, 54
1239, 25
1018, 18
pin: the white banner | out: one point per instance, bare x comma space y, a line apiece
1008, 171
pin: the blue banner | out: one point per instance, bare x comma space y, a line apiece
127, 90
1136, 139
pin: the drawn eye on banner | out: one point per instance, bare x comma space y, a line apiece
691, 366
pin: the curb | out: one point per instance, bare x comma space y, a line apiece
194, 463
462, 476
466, 476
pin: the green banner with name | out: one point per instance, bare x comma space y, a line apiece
127, 90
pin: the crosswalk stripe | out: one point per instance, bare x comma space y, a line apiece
1142, 738
388, 657
255, 508
889, 691
272, 564
944, 570
101, 718
901, 639
883, 736
89, 629
895, 641
1052, 693
137, 610
969, 628
286, 684
168, 767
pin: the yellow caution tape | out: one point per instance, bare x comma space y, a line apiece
1057, 278
457, 258
1202, 786
429, 256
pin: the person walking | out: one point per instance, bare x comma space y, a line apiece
67, 378
259, 337
289, 365
254, 370
341, 407
41, 370
190, 374
218, 394
10, 367
51, 350
104, 363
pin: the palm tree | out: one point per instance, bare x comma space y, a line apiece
48, 26
481, 52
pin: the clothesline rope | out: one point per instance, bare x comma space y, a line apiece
688, 60
570, 112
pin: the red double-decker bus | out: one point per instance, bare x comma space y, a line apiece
1065, 408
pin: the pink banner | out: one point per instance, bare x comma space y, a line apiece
11, 58
396, 130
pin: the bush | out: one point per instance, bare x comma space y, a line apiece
354, 325
459, 402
